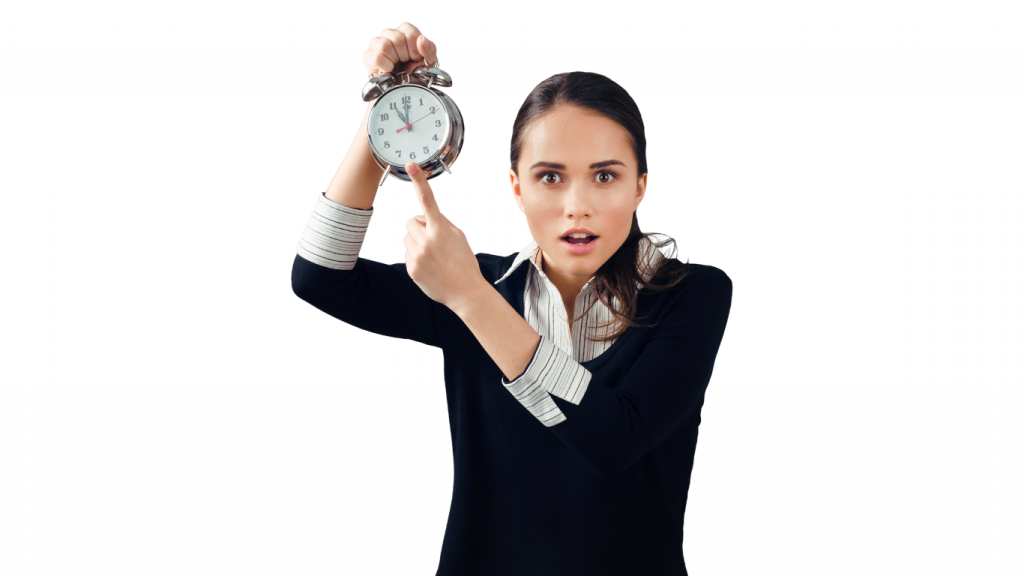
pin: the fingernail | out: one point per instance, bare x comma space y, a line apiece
413, 169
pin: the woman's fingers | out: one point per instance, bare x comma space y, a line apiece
400, 42
387, 51
376, 62
428, 50
412, 36
395, 48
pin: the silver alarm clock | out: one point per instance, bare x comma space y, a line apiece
412, 121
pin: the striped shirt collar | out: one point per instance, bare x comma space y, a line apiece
532, 252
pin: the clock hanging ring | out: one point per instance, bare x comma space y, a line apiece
411, 120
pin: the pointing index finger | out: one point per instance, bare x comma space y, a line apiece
423, 191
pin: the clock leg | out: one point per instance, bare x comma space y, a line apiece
445, 166
384, 177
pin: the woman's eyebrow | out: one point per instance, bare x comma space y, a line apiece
558, 166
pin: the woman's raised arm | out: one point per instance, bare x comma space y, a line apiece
327, 271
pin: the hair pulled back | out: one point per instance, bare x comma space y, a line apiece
620, 279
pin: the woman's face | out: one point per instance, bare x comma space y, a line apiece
577, 170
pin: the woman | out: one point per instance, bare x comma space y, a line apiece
573, 442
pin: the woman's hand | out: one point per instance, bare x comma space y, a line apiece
399, 49
438, 257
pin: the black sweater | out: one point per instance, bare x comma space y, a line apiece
604, 490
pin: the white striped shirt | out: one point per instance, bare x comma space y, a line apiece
334, 236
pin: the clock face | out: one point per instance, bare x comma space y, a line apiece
409, 124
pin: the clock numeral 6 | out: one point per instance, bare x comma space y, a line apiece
412, 155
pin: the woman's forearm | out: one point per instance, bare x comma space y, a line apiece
357, 179
505, 335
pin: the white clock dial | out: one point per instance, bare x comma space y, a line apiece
409, 124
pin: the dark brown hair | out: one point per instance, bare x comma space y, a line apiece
619, 276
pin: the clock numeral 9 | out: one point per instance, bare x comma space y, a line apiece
380, 131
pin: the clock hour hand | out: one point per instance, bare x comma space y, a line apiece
404, 119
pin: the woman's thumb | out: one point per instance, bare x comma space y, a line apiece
427, 49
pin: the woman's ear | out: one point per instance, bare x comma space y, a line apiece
514, 178
641, 189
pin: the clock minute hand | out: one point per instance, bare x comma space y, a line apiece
404, 119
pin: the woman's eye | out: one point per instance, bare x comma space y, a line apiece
553, 178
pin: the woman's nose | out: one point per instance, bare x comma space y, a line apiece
578, 200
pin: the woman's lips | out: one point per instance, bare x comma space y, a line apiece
580, 248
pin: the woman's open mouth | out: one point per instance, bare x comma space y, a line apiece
579, 245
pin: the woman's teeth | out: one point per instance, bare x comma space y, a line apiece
578, 238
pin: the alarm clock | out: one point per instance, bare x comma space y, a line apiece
412, 121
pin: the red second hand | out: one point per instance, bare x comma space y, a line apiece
409, 125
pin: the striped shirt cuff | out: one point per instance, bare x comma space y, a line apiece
550, 371
334, 234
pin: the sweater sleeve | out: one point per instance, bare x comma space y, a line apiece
611, 421
329, 274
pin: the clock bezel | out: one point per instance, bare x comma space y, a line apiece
441, 158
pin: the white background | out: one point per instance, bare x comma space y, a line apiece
169, 406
